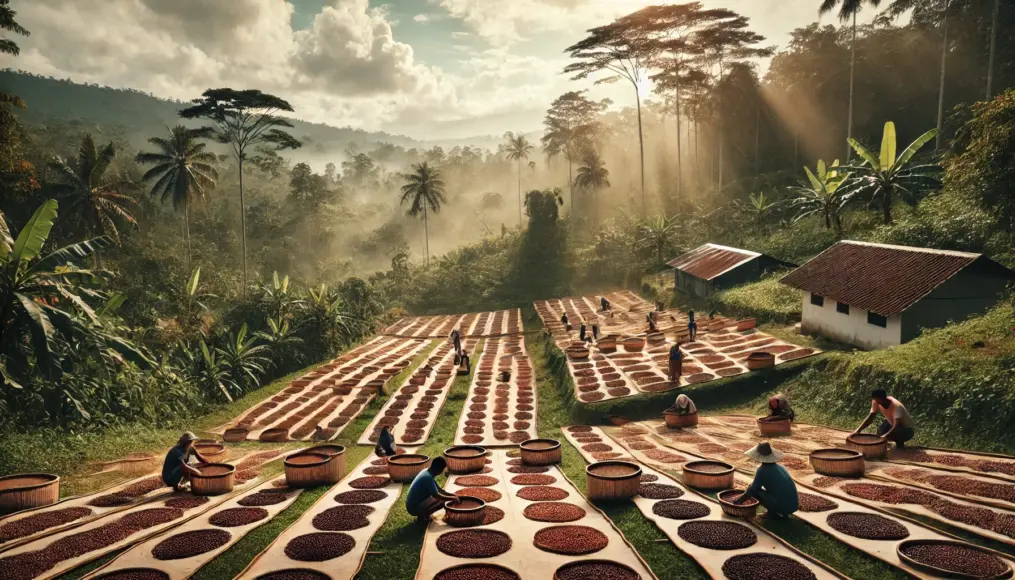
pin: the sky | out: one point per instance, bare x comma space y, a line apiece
427, 69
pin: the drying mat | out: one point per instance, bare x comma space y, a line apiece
519, 419
140, 556
598, 379
628, 315
480, 325
524, 557
586, 432
274, 558
972, 488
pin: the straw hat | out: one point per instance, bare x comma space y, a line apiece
763, 453
188, 436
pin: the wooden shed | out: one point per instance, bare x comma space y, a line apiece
711, 267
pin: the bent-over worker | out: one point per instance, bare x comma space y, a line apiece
175, 470
385, 443
465, 367
426, 497
604, 303
778, 406
456, 340
676, 362
898, 425
683, 406
772, 485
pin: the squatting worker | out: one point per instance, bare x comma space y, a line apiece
604, 303
385, 443
683, 406
778, 406
676, 362
426, 497
456, 340
898, 424
772, 485
175, 470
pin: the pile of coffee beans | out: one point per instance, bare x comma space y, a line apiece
815, 503
476, 481
649, 478
136, 574
343, 518
533, 479
476, 572
233, 517
554, 511
828, 481
474, 543
34, 524
596, 570
680, 509
718, 535
659, 491
186, 502
370, 482
867, 526
542, 493
486, 494
265, 497
190, 544
319, 546
294, 574
663, 456
130, 493
765, 567
570, 540
957, 558
528, 469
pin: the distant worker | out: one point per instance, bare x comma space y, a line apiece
175, 470
581, 331
676, 363
692, 326
683, 406
465, 367
456, 340
772, 485
651, 319
778, 406
712, 313
595, 331
385, 443
425, 497
898, 425
564, 321
605, 304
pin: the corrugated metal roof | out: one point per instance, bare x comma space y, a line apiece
711, 260
880, 278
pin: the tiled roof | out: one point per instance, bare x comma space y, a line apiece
881, 278
711, 260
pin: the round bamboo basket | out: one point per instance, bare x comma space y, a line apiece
747, 324
607, 344
747, 510
634, 344
540, 452
942, 573
213, 479
306, 469
337, 467
562, 571
137, 463
577, 353
404, 468
376, 385
872, 446
760, 360
465, 458
212, 451
206, 442
656, 338
708, 475
235, 435
837, 462
612, 480
772, 428
28, 490
275, 435
464, 512
676, 421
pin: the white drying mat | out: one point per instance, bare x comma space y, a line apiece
493, 350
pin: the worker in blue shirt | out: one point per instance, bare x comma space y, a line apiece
425, 497
772, 485
175, 470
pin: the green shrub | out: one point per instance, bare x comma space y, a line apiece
767, 300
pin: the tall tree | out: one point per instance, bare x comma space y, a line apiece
518, 149
181, 170
571, 125
424, 191
244, 120
8, 46
592, 175
993, 48
618, 48
848, 11
91, 195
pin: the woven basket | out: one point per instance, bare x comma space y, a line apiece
872, 446
760, 360
748, 510
540, 452
28, 490
577, 353
137, 463
213, 479
939, 572
676, 421
612, 480
747, 324
634, 344
465, 512
837, 462
206, 442
708, 475
337, 467
306, 469
275, 435
771, 428
404, 468
656, 338
235, 435
465, 458
375, 385
607, 344
212, 451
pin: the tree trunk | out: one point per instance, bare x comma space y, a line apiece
697, 159
941, 87
757, 139
886, 206
680, 170
519, 192
243, 227
852, 75
426, 235
570, 182
641, 149
993, 48
186, 228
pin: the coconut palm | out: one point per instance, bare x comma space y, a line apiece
823, 197
10, 47
518, 149
182, 170
592, 174
424, 190
92, 196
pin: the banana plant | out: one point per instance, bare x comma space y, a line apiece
883, 177
823, 197
277, 298
246, 360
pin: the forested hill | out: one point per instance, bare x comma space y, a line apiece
141, 115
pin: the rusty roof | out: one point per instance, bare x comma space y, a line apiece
881, 278
711, 260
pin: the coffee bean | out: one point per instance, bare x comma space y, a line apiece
815, 503
135, 574
528, 469
718, 535
680, 509
476, 481
556, 512
570, 540
533, 479
542, 493
34, 524
474, 543
867, 526
659, 491
476, 572
957, 558
319, 546
233, 517
596, 570
371, 482
265, 497
190, 544
765, 567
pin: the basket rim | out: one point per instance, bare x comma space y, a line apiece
482, 451
760, 356
881, 440
199, 475
450, 508
728, 468
854, 454
323, 459
323, 450
237, 430
591, 561
416, 459
219, 446
669, 412
50, 478
941, 571
719, 496
636, 473
540, 440
635, 339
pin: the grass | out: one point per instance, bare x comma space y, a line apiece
767, 300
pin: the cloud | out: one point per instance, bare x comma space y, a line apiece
507, 23
421, 18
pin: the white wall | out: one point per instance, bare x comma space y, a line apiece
851, 328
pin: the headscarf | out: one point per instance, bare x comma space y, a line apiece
685, 403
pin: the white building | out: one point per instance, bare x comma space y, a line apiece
877, 295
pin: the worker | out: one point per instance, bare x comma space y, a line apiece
595, 331
772, 486
456, 340
778, 406
426, 497
898, 424
692, 326
683, 406
581, 331
175, 470
564, 321
385, 443
676, 363
605, 304
465, 364
651, 319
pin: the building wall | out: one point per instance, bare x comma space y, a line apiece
742, 274
691, 286
851, 328
971, 291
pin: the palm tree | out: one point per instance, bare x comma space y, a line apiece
592, 174
823, 197
91, 195
849, 10
10, 47
884, 176
656, 234
424, 189
518, 149
182, 170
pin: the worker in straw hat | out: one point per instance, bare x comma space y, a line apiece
175, 470
772, 485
